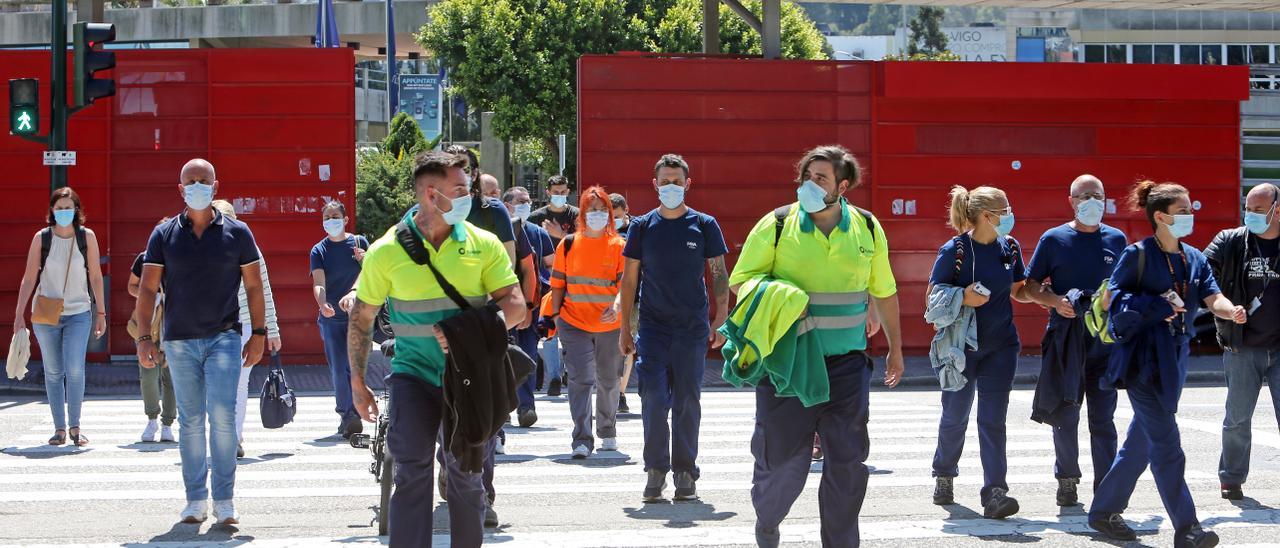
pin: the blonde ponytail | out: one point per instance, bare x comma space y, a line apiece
967, 205
960, 219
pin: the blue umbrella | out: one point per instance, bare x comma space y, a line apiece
325, 19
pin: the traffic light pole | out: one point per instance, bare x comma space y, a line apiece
58, 81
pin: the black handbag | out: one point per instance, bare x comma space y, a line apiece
278, 403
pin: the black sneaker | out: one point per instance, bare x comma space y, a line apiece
528, 417
1113, 527
353, 425
1232, 492
553, 389
999, 505
239, 450
1195, 537
490, 516
944, 491
1067, 492
657, 482
622, 404
767, 537
686, 487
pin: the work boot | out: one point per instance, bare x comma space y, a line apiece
528, 417
622, 404
1113, 527
1067, 493
944, 491
553, 388
999, 505
1232, 492
686, 487
1195, 537
490, 516
768, 537
657, 482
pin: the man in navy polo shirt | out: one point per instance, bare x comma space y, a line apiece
201, 257
668, 251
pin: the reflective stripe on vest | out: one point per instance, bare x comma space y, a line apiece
589, 297
431, 305
588, 280
847, 298
413, 330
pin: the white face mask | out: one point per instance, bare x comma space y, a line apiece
523, 211
597, 220
558, 201
671, 196
334, 227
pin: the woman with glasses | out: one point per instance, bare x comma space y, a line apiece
987, 262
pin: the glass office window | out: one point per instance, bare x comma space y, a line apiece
1164, 54
1188, 20
1237, 20
1237, 54
1212, 20
1093, 19
1211, 54
1116, 53
1188, 55
1117, 19
1094, 53
1140, 20
1259, 55
1164, 20
1260, 20
1143, 54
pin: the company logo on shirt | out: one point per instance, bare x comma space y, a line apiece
1108, 259
1259, 268
692, 245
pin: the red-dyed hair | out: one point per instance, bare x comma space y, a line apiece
584, 200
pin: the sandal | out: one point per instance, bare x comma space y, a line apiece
59, 437
78, 439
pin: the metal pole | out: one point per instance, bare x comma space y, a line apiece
710, 27
771, 29
393, 87
324, 25
58, 81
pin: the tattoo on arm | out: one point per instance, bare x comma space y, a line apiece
719, 278
360, 337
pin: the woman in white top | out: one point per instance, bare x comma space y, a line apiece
68, 273
273, 329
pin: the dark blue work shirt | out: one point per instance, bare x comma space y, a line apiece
338, 261
201, 275
998, 265
673, 256
1188, 270
1071, 259
540, 242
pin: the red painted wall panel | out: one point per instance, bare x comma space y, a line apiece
267, 119
917, 129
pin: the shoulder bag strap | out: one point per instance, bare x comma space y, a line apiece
413, 246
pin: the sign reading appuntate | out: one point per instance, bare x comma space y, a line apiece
978, 43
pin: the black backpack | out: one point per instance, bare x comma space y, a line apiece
278, 404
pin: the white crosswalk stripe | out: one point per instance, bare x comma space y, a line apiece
305, 460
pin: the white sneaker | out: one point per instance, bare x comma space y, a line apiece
581, 452
166, 434
609, 444
224, 513
196, 512
498, 448
149, 433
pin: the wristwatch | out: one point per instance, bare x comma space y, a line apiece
259, 331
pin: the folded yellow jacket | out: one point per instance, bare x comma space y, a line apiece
766, 335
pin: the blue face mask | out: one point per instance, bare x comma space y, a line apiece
1182, 225
1005, 226
1090, 211
597, 220
618, 222
64, 217
1257, 223
559, 201
523, 211
812, 197
461, 208
671, 196
198, 196
334, 227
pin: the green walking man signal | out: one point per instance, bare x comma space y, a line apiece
24, 106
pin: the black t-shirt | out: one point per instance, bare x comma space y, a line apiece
1263, 328
567, 219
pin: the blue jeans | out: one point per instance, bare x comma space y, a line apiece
206, 376
334, 334
990, 374
1153, 439
670, 368
550, 352
1245, 370
1102, 427
62, 349
527, 340
783, 449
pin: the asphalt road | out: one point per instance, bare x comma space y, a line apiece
301, 486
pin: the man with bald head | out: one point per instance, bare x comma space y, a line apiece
201, 257
1244, 262
1077, 255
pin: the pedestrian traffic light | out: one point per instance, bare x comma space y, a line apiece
85, 38
24, 106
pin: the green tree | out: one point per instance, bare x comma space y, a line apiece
384, 190
881, 20
404, 136
926, 32
519, 58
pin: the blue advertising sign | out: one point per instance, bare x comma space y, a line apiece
420, 96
